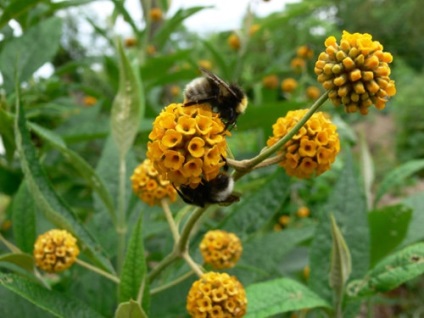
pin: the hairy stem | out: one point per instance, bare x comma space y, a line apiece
170, 219
245, 166
98, 270
172, 283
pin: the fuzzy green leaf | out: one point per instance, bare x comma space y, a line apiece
348, 205
133, 275
24, 261
83, 168
53, 207
391, 272
367, 169
130, 309
22, 56
128, 106
23, 219
278, 296
388, 228
397, 177
415, 231
256, 210
58, 304
263, 255
341, 263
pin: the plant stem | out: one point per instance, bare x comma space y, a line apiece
98, 271
193, 265
170, 219
168, 260
171, 284
185, 234
249, 164
122, 226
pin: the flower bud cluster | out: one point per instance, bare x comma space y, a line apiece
355, 72
151, 187
221, 249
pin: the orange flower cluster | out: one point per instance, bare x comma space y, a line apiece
303, 212
150, 186
312, 149
305, 52
270, 81
156, 14
355, 72
188, 144
234, 42
221, 249
55, 251
216, 295
313, 92
289, 85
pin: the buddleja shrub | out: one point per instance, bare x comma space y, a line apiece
232, 268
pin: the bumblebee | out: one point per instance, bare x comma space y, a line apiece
228, 100
218, 190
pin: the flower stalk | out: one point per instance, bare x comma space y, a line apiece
245, 166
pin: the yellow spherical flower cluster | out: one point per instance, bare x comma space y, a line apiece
55, 251
312, 92
188, 144
288, 85
270, 81
355, 72
156, 14
234, 42
305, 52
312, 149
298, 64
221, 249
303, 212
216, 295
151, 187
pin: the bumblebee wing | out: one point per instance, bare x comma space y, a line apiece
224, 87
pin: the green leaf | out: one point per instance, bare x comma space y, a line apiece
128, 106
23, 219
265, 253
170, 25
130, 309
415, 231
119, 7
22, 56
6, 132
388, 228
133, 277
348, 205
15, 9
256, 210
397, 177
24, 261
52, 301
53, 207
391, 272
281, 295
341, 263
84, 169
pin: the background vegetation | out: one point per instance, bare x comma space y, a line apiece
60, 165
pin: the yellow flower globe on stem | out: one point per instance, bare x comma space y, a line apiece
216, 295
314, 147
356, 72
187, 144
55, 251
